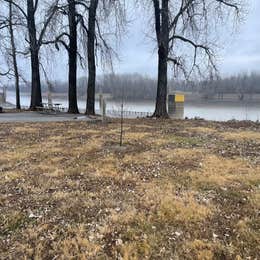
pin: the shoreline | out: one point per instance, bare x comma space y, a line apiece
28, 116
190, 98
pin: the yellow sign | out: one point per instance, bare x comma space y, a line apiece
179, 98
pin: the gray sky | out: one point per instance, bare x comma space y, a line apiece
240, 51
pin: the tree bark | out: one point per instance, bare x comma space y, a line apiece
14, 58
91, 90
36, 95
73, 106
161, 98
162, 31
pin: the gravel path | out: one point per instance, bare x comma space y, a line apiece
38, 117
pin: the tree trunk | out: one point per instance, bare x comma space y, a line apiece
73, 106
162, 31
161, 98
13, 47
36, 95
91, 91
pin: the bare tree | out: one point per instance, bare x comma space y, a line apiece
28, 10
185, 23
8, 23
90, 109
72, 49
91, 19
14, 57
68, 38
100, 12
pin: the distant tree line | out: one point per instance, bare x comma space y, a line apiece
240, 84
138, 87
132, 86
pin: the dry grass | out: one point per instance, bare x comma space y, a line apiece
242, 135
202, 130
175, 190
216, 170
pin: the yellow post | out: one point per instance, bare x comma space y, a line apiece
176, 105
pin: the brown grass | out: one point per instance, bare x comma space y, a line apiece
175, 190
242, 135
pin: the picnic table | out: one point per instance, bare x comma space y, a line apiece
51, 108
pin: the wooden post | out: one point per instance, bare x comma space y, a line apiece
4, 94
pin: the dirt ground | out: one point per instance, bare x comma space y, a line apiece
175, 190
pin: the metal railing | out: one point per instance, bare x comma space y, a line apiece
117, 113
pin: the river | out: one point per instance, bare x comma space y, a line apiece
218, 111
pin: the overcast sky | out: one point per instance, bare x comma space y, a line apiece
240, 51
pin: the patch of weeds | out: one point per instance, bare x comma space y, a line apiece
186, 141
231, 196
137, 227
136, 235
12, 223
135, 250
254, 182
206, 186
140, 239
181, 210
247, 237
204, 250
183, 180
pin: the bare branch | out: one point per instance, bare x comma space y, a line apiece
52, 11
18, 7
235, 6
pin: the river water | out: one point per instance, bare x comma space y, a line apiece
218, 111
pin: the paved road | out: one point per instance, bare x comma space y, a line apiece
38, 117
